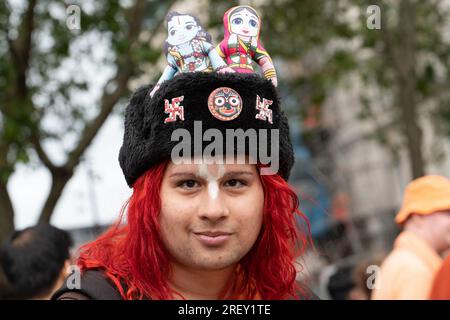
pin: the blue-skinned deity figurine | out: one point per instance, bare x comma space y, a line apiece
188, 48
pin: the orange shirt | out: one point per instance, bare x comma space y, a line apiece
441, 285
408, 271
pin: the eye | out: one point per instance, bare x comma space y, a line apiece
237, 21
172, 32
253, 23
219, 101
234, 101
189, 27
188, 184
235, 183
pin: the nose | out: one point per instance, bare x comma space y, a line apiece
213, 209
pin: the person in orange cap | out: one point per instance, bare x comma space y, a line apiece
408, 271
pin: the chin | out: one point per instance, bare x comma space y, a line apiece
212, 263
178, 42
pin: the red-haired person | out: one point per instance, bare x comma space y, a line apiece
201, 230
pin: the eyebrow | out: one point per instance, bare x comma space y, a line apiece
251, 15
226, 175
187, 23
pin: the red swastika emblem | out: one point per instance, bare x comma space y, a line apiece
262, 106
174, 109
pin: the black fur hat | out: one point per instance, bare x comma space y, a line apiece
219, 100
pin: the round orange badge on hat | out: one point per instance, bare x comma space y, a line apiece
225, 103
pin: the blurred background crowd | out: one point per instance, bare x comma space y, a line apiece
365, 86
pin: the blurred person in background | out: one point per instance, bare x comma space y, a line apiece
6, 292
349, 280
362, 278
340, 283
36, 261
408, 271
441, 284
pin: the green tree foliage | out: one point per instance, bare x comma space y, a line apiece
403, 67
42, 76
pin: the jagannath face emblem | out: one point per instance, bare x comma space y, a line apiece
225, 104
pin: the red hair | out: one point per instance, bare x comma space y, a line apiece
133, 256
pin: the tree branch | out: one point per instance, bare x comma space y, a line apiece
20, 48
125, 72
108, 101
6, 212
35, 141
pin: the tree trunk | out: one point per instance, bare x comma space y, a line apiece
6, 213
405, 76
60, 178
6, 228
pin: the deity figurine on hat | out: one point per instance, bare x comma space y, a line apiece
241, 44
188, 48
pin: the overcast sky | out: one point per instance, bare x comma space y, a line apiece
29, 187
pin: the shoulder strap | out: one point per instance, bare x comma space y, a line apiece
93, 285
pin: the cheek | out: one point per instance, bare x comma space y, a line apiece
236, 28
447, 231
189, 34
168, 221
444, 223
442, 228
171, 40
175, 213
194, 32
249, 217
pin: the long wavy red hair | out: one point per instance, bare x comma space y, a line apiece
132, 254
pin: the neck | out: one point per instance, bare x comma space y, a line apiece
47, 294
195, 284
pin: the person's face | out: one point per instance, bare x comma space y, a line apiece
440, 227
181, 29
211, 215
244, 23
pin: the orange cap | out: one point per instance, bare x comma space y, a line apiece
425, 195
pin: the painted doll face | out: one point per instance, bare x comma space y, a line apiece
244, 23
181, 29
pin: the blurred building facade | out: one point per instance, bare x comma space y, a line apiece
363, 179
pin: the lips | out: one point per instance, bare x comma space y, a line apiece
224, 110
213, 238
